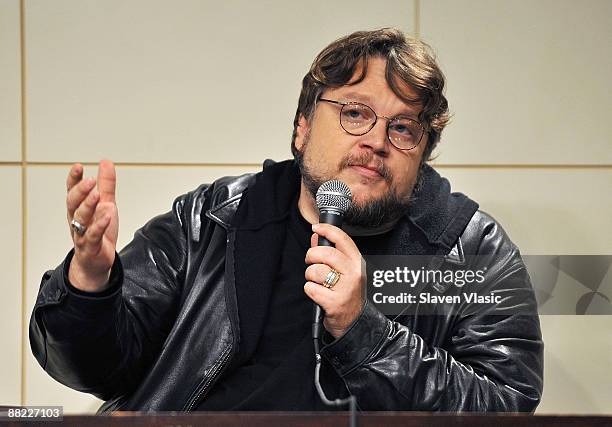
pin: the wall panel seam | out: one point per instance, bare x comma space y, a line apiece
149, 164
417, 19
258, 165
24, 335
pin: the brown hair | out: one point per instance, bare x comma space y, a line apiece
409, 61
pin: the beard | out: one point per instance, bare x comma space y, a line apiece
372, 213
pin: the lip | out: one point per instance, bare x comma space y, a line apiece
366, 171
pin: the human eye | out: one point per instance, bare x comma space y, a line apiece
356, 113
404, 129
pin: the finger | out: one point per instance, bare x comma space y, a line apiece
74, 176
314, 240
85, 212
107, 179
95, 233
317, 273
320, 295
105, 208
110, 209
335, 235
77, 194
328, 256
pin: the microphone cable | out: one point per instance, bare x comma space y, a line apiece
350, 400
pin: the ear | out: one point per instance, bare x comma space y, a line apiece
302, 130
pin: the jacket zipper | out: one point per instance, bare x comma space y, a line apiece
220, 367
201, 393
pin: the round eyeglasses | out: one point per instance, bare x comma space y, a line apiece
358, 119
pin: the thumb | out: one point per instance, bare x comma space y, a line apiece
107, 180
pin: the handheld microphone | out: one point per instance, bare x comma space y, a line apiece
333, 199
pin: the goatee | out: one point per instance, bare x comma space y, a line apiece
374, 213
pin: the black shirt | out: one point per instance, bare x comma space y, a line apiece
280, 373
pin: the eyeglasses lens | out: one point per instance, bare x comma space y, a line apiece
358, 119
404, 133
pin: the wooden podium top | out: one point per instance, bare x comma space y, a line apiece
321, 419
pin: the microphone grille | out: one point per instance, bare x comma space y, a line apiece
334, 194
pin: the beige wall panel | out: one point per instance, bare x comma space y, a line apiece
142, 192
10, 82
577, 357
189, 81
544, 211
528, 81
10, 286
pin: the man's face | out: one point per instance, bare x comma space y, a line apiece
380, 176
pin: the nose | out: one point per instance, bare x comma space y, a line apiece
376, 138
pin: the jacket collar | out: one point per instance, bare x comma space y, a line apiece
225, 198
441, 215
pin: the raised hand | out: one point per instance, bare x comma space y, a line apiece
95, 210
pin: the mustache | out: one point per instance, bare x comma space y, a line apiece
365, 159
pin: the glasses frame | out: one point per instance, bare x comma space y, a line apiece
389, 120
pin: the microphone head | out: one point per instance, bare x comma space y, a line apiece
334, 195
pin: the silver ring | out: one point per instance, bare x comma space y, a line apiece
77, 227
332, 278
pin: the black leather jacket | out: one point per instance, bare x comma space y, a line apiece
162, 335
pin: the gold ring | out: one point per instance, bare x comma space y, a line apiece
332, 278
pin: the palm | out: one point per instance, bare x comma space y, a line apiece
109, 239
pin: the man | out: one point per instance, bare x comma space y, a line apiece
210, 306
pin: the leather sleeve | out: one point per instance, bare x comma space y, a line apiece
103, 343
491, 359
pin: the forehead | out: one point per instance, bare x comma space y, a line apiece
374, 86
